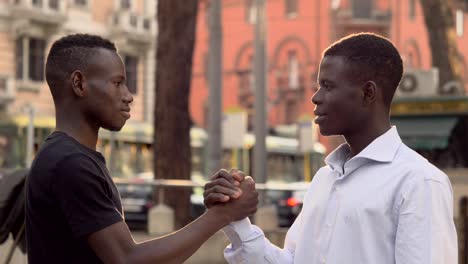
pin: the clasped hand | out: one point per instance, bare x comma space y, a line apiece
232, 194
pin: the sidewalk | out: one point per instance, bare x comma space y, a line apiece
209, 253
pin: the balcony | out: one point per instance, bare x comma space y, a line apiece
290, 90
45, 13
375, 21
135, 29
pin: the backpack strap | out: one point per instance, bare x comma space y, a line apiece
15, 243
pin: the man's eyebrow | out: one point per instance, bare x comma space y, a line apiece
118, 77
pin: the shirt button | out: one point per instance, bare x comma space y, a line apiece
322, 260
337, 188
328, 225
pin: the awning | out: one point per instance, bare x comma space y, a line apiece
133, 131
425, 133
142, 132
23, 121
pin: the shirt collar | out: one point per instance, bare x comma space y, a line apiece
382, 149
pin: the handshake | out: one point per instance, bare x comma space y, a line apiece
231, 195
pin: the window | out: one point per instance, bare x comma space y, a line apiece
247, 78
291, 8
362, 8
293, 70
250, 11
30, 54
291, 112
54, 4
412, 9
36, 59
133, 20
251, 75
131, 67
81, 2
147, 23
37, 3
125, 4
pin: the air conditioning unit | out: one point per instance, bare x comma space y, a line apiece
7, 89
418, 83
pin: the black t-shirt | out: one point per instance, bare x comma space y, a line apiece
69, 195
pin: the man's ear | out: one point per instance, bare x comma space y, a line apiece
77, 83
369, 92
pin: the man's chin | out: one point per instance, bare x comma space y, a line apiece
114, 128
326, 132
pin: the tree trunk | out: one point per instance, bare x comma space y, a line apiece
438, 16
172, 153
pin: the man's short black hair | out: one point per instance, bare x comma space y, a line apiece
375, 57
71, 53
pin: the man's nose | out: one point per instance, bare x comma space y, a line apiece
128, 97
316, 97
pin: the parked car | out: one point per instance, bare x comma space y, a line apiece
288, 202
136, 199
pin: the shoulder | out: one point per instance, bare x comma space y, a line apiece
322, 174
324, 170
417, 170
77, 172
413, 163
57, 147
78, 162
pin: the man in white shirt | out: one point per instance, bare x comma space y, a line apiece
376, 200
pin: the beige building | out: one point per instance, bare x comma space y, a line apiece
28, 27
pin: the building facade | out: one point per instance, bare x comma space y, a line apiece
28, 28
297, 32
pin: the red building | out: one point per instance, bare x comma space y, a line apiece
297, 33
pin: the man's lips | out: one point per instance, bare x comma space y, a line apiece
319, 117
126, 113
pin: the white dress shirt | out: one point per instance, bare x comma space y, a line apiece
385, 205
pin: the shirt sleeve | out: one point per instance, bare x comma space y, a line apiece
83, 195
426, 231
249, 244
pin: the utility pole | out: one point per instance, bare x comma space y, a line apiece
215, 87
30, 135
260, 87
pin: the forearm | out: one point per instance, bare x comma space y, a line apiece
180, 245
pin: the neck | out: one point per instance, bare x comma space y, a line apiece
76, 126
360, 139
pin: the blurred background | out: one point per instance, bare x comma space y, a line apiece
227, 84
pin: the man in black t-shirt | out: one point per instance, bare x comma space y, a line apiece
70, 195
73, 209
